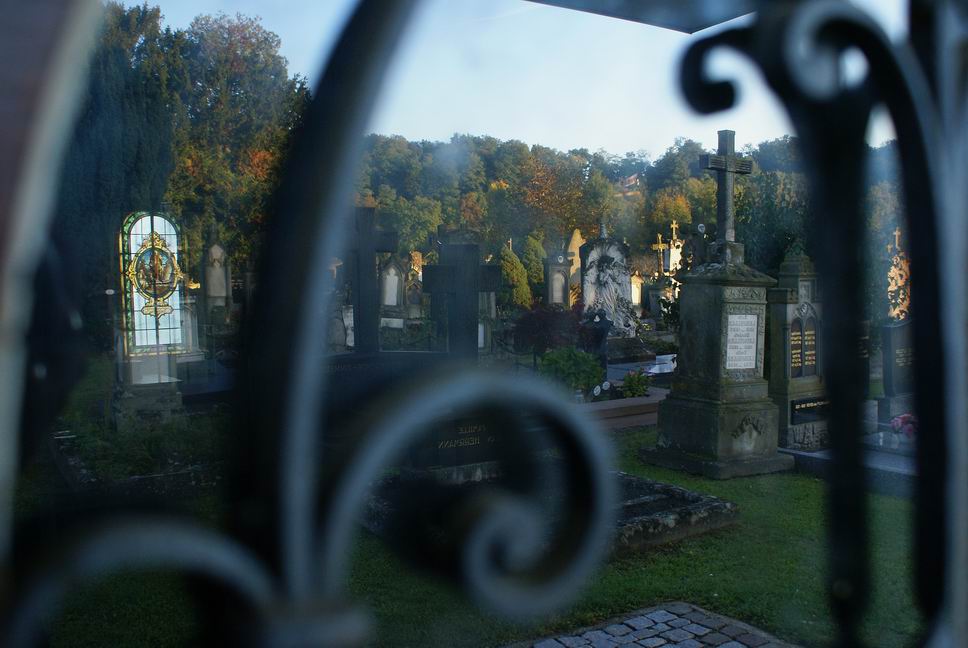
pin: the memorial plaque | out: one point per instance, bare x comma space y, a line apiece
810, 348
808, 410
796, 348
741, 340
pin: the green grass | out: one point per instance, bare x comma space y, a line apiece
767, 570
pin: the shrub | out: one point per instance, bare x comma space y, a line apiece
636, 383
575, 369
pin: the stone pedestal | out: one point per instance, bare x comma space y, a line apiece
889, 407
719, 420
796, 375
148, 391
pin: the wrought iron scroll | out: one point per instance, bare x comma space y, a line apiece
799, 48
289, 534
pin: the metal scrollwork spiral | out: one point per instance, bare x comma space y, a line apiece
800, 49
534, 577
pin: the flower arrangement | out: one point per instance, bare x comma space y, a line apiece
906, 424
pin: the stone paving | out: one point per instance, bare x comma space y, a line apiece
671, 625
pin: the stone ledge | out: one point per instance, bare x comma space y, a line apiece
625, 406
667, 458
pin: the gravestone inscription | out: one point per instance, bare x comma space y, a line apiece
741, 342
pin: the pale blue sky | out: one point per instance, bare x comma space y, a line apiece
543, 75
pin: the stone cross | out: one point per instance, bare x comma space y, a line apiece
675, 230
659, 247
365, 243
458, 279
897, 238
726, 164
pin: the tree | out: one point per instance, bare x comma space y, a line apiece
771, 212
533, 260
666, 206
515, 292
235, 111
700, 193
677, 164
884, 213
120, 155
781, 154
413, 220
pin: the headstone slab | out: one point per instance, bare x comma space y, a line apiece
796, 375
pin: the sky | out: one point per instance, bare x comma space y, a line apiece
543, 75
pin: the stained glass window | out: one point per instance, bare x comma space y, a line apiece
151, 278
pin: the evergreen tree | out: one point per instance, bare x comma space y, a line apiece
515, 291
120, 156
533, 260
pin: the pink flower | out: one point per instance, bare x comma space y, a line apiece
906, 424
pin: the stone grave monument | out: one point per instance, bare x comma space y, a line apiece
456, 283
392, 295
159, 327
897, 352
637, 285
557, 270
574, 254
796, 376
718, 420
217, 280
606, 282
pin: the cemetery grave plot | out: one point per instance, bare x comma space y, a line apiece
648, 513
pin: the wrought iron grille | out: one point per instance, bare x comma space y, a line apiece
290, 573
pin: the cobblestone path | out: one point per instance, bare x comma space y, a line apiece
671, 625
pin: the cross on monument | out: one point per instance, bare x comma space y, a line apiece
897, 238
366, 241
458, 279
675, 230
659, 247
726, 164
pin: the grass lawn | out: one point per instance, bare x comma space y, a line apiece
767, 570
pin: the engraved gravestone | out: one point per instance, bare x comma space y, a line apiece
718, 420
796, 380
898, 357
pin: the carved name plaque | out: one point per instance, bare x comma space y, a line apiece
796, 348
810, 348
741, 342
